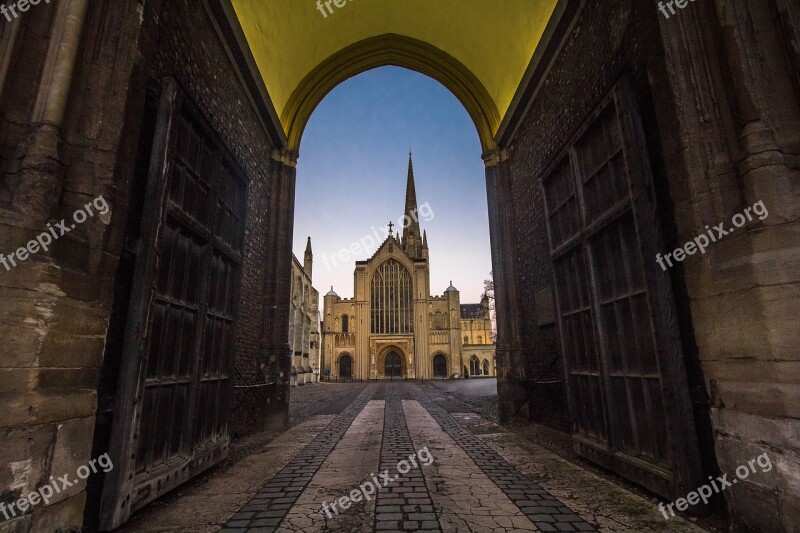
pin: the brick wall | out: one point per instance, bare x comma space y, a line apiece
603, 45
57, 306
720, 138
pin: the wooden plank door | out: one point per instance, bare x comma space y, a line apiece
622, 355
176, 384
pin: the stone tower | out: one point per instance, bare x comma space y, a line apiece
308, 259
412, 239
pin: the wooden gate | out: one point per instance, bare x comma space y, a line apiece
439, 366
345, 367
627, 388
392, 365
173, 400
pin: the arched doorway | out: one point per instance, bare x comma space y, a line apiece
345, 367
439, 366
474, 366
392, 365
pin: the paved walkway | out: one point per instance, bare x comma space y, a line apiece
395, 460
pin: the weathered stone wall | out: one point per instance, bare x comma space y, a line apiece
733, 122
56, 305
719, 93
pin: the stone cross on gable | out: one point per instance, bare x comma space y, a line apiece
390, 227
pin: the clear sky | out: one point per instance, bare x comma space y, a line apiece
351, 179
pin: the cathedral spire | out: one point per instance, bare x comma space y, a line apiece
308, 259
411, 235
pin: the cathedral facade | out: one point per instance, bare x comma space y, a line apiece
393, 327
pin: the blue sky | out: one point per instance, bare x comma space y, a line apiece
354, 152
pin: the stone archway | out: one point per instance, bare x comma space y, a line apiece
392, 363
398, 50
345, 366
439, 366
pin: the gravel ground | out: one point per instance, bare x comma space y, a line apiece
309, 400
486, 407
480, 395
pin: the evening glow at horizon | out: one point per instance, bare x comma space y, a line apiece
351, 179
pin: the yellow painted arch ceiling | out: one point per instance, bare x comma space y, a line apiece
479, 49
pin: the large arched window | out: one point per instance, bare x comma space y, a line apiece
474, 366
392, 299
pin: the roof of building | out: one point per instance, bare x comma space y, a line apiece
451, 288
332, 293
471, 311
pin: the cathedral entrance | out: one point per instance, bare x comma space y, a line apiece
345, 367
391, 365
440, 366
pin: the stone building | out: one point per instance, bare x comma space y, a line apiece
611, 132
477, 335
392, 327
304, 338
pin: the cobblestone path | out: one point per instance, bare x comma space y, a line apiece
395, 461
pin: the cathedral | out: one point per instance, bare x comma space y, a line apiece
392, 327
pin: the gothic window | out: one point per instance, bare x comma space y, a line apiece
391, 299
480, 339
345, 323
474, 366
466, 340
438, 321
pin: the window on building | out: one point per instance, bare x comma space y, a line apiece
345, 323
480, 339
391, 299
466, 339
474, 366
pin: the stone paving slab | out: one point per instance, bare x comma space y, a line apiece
481, 478
352, 462
541, 507
610, 506
464, 497
203, 507
265, 511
